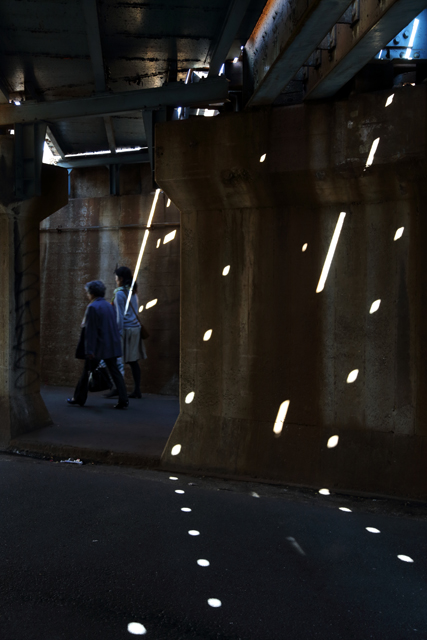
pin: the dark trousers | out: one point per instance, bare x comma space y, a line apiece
80, 394
136, 374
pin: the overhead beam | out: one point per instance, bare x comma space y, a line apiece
221, 46
109, 128
196, 94
4, 92
96, 160
54, 142
90, 10
283, 39
355, 47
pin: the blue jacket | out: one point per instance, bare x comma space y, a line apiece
102, 335
130, 319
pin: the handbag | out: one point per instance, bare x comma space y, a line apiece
99, 380
144, 333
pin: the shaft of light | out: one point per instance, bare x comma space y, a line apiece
374, 147
141, 251
411, 41
281, 416
330, 254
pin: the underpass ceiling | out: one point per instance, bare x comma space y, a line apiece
44, 54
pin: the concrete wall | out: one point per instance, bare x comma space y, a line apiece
21, 406
86, 240
274, 338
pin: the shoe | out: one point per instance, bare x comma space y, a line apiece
72, 401
113, 393
121, 405
135, 394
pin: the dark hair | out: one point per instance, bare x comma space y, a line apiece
126, 275
96, 288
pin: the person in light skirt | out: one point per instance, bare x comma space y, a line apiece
129, 327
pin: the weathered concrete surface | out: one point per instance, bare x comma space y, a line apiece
274, 338
86, 240
21, 406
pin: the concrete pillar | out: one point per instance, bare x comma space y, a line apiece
273, 337
21, 406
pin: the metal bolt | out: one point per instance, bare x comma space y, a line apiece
396, 41
406, 34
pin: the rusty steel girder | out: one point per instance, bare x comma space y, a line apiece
201, 93
357, 44
285, 36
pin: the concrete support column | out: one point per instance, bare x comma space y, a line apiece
262, 192
21, 406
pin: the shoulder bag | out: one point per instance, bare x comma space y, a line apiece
144, 332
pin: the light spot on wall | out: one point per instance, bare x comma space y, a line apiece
405, 558
203, 563
281, 416
304, 247
332, 442
399, 233
189, 397
226, 270
137, 629
186, 509
168, 204
151, 303
372, 530
389, 100
207, 335
345, 509
158, 243
375, 306
193, 532
176, 449
169, 237
173, 478
263, 157
324, 492
372, 152
141, 308
331, 251
214, 602
352, 376
179, 491
254, 494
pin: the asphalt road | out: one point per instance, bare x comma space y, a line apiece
88, 550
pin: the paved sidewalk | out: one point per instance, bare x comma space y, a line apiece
98, 432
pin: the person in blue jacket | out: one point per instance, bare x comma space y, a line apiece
100, 340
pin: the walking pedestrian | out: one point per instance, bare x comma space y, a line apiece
100, 340
129, 327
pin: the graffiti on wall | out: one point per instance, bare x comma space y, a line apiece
27, 307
